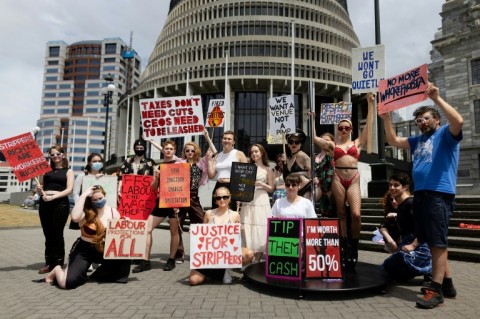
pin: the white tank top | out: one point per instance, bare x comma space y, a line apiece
224, 163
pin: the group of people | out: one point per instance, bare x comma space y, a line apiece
422, 221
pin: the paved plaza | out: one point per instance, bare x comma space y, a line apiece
160, 294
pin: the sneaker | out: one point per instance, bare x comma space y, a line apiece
227, 277
430, 300
447, 292
170, 265
144, 265
179, 260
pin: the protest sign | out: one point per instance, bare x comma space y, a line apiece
137, 198
322, 248
282, 114
402, 90
126, 239
368, 68
333, 113
24, 156
174, 185
215, 113
108, 183
242, 181
172, 116
215, 246
283, 260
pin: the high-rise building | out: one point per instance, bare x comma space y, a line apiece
72, 110
242, 51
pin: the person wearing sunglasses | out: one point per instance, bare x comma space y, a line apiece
294, 205
346, 185
255, 214
92, 214
298, 162
54, 207
220, 216
435, 163
220, 166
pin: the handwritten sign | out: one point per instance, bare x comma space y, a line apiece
333, 113
108, 183
242, 181
282, 114
126, 239
174, 185
402, 90
215, 113
368, 68
215, 246
322, 248
137, 199
24, 156
173, 116
283, 258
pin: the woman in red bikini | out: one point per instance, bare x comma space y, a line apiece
346, 185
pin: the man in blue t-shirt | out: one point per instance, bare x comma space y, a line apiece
435, 162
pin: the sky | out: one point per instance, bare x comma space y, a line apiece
407, 27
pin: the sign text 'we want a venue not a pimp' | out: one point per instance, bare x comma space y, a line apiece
172, 116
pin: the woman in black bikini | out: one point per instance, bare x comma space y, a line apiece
346, 185
298, 163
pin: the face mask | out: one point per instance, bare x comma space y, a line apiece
99, 203
97, 166
139, 152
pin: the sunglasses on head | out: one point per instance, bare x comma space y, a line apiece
296, 142
290, 184
55, 155
225, 197
344, 128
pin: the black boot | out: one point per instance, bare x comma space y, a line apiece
352, 253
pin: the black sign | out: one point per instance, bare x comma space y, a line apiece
242, 181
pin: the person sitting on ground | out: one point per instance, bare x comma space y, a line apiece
31, 200
220, 215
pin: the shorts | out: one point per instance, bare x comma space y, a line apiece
162, 212
432, 212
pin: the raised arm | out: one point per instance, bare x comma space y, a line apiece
391, 136
455, 120
155, 144
362, 139
77, 212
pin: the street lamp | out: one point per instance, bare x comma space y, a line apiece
107, 92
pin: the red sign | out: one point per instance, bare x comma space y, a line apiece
24, 156
322, 249
137, 198
403, 90
174, 185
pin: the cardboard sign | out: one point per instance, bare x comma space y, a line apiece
282, 114
137, 199
108, 183
242, 181
402, 90
368, 68
215, 246
333, 113
172, 116
283, 259
24, 156
126, 239
322, 248
174, 185
216, 113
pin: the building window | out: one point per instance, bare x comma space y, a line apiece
476, 111
54, 62
66, 102
109, 68
50, 95
48, 103
476, 71
110, 48
50, 78
109, 60
50, 87
64, 86
54, 52
64, 94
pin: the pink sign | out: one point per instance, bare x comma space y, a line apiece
403, 90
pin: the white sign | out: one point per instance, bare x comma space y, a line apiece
215, 246
368, 68
108, 183
172, 116
216, 113
126, 239
282, 114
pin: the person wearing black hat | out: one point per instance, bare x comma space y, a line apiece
298, 163
138, 164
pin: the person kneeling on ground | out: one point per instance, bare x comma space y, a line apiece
221, 215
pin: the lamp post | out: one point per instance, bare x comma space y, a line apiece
107, 92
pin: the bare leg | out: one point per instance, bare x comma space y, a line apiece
59, 275
440, 267
340, 196
247, 256
196, 278
355, 201
174, 236
154, 221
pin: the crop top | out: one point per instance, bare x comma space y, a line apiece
224, 163
90, 230
339, 152
55, 180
